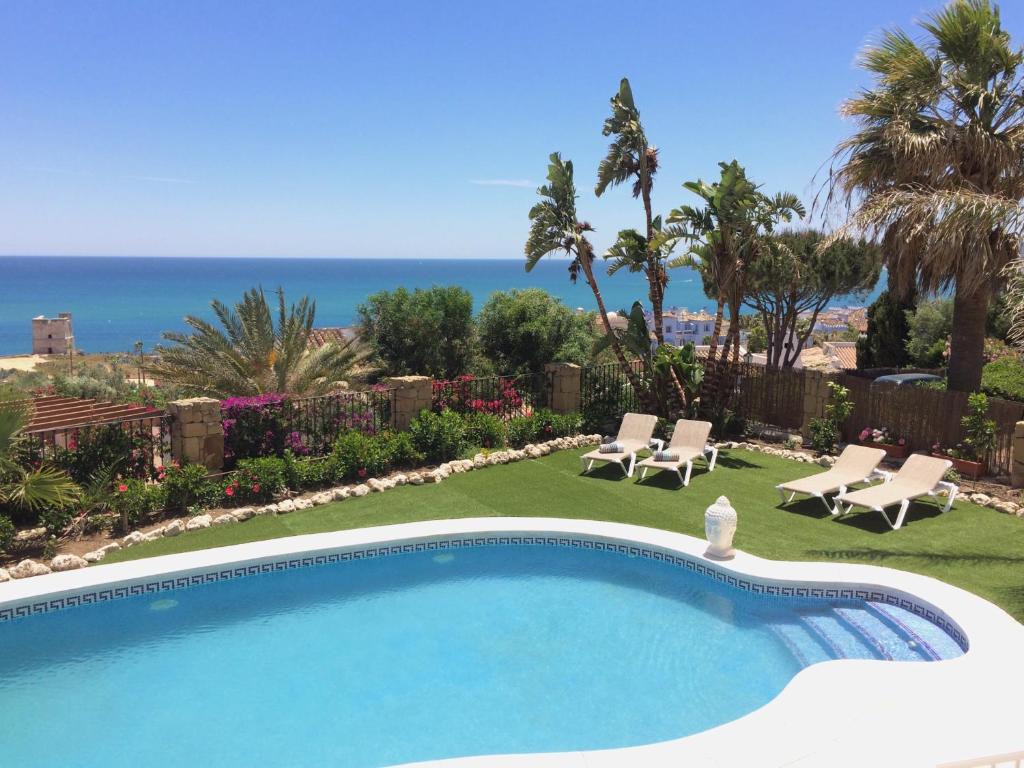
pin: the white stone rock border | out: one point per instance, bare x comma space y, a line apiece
27, 568
837, 713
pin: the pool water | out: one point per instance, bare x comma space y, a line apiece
418, 656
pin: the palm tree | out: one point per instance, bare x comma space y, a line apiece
22, 488
726, 236
248, 355
935, 167
555, 227
631, 158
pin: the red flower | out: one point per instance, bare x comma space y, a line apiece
122, 488
255, 487
361, 472
229, 491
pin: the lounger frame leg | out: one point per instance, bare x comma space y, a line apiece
904, 506
588, 464
714, 457
643, 473
632, 464
689, 469
836, 509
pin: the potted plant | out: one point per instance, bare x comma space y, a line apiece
895, 447
970, 455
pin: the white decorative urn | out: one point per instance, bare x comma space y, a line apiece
719, 527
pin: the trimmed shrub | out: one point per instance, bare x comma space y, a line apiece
134, 501
439, 436
485, 430
259, 479
551, 425
522, 430
187, 486
357, 456
401, 451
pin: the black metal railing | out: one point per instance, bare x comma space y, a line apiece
268, 425
606, 394
136, 446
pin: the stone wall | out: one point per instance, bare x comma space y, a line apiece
816, 395
197, 435
565, 386
412, 395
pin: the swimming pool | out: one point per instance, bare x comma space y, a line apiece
449, 647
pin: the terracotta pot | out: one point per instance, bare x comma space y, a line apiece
892, 450
971, 469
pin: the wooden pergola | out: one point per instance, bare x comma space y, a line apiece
50, 413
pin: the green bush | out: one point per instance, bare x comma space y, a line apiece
1004, 378
485, 430
439, 436
551, 425
187, 486
134, 501
401, 451
522, 430
259, 479
357, 456
824, 435
6, 532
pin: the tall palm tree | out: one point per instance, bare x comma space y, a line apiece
248, 355
935, 168
631, 158
555, 227
726, 236
23, 488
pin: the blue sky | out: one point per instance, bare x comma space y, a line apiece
396, 128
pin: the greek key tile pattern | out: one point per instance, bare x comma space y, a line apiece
749, 584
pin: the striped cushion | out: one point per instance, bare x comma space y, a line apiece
666, 456
612, 447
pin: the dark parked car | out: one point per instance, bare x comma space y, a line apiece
907, 379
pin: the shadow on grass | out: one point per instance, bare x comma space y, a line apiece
809, 506
607, 471
734, 462
870, 521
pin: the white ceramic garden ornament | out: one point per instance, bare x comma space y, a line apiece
719, 527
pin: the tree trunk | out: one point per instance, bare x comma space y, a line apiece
967, 345
719, 314
653, 263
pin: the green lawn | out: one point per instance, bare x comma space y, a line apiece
979, 549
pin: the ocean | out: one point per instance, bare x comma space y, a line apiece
116, 301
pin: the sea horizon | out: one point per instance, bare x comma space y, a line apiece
118, 300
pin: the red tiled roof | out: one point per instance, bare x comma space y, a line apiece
847, 357
318, 337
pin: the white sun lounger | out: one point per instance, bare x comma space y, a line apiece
634, 435
919, 476
689, 441
856, 464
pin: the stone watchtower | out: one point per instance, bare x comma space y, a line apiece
52, 335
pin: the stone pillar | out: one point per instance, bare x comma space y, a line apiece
1017, 456
816, 395
197, 435
413, 394
565, 386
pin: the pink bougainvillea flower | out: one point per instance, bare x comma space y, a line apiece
255, 487
122, 488
229, 491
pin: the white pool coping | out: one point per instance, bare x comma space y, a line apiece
838, 713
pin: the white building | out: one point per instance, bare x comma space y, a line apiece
681, 326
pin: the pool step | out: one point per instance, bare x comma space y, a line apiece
884, 636
804, 646
929, 643
841, 639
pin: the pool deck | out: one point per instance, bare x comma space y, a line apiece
838, 713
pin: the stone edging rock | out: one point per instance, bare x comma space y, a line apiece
27, 568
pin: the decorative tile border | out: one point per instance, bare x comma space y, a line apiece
754, 586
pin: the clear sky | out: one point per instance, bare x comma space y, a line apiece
396, 128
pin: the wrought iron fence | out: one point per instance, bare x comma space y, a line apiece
137, 445
606, 394
268, 425
503, 396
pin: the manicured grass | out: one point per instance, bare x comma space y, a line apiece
978, 549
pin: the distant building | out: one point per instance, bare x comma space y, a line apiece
52, 335
680, 326
319, 337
